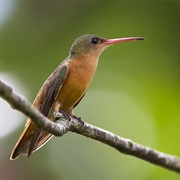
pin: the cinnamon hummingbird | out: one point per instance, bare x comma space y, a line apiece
64, 88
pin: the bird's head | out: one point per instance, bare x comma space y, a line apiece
95, 45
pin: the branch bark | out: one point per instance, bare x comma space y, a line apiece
62, 125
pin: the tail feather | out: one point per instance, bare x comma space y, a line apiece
25, 145
34, 140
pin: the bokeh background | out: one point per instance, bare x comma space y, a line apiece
135, 92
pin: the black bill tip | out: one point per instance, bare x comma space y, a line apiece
141, 38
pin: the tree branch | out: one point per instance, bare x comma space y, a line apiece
63, 125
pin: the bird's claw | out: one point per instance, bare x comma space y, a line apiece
79, 119
61, 114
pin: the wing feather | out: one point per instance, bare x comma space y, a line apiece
32, 138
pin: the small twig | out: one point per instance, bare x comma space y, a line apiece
63, 125
127, 146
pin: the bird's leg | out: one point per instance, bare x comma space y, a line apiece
57, 115
61, 114
78, 118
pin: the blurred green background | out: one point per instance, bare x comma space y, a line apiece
135, 92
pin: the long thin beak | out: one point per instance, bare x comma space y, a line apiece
114, 41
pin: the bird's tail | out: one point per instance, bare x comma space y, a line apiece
30, 140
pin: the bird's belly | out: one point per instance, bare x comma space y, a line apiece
72, 91
69, 95
79, 77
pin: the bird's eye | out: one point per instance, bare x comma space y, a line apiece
94, 40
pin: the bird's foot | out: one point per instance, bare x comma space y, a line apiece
61, 114
79, 119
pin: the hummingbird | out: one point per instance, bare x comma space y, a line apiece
64, 88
